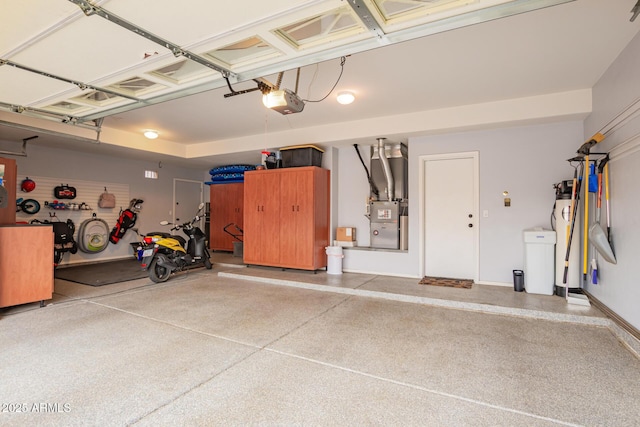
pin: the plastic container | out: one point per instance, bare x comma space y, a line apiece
539, 261
293, 157
334, 259
518, 280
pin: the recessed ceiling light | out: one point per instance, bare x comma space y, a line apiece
151, 134
346, 98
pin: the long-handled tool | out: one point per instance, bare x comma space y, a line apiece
594, 256
572, 219
574, 186
585, 246
585, 149
606, 185
597, 236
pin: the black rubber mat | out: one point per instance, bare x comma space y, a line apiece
104, 273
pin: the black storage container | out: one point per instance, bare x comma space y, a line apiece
304, 155
518, 280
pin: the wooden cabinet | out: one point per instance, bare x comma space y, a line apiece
26, 264
226, 207
8, 214
286, 222
261, 218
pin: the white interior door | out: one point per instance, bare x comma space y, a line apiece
187, 195
450, 216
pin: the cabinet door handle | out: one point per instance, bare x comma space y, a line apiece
293, 208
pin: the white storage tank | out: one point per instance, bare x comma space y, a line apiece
539, 261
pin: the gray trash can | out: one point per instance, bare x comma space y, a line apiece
518, 280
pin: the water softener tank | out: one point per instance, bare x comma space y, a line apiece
562, 215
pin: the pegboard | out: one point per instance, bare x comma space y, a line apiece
87, 192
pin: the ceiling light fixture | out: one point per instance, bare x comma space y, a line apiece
346, 97
150, 134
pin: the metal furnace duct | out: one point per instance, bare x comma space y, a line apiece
389, 171
386, 169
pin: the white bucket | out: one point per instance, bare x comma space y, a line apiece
334, 259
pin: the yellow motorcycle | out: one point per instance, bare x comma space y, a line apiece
162, 254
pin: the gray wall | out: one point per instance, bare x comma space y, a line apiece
526, 161
74, 166
618, 287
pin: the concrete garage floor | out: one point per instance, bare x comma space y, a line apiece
259, 346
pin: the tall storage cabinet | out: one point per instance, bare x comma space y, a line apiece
10, 173
226, 207
286, 221
261, 218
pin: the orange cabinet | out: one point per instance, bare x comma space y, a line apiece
226, 207
286, 221
10, 173
261, 218
26, 264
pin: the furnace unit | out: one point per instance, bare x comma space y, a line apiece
388, 208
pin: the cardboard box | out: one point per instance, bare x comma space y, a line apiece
346, 234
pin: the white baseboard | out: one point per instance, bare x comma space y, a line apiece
485, 282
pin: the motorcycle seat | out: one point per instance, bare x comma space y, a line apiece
158, 233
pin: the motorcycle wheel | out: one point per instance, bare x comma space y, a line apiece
158, 273
207, 263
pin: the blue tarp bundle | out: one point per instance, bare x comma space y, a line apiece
229, 173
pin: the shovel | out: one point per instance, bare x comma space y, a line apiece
597, 236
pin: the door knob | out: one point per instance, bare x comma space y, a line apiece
470, 225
